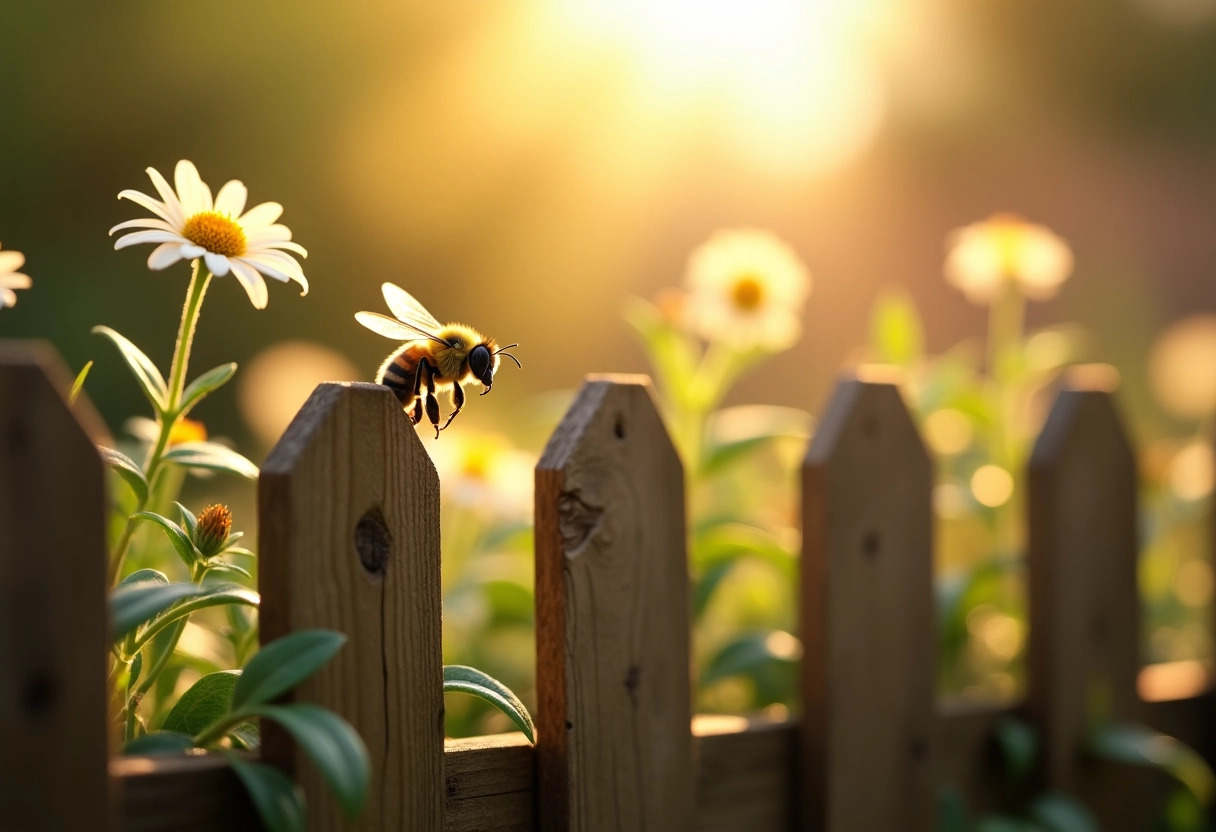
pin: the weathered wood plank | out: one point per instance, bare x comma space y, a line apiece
867, 618
612, 618
53, 617
1084, 604
349, 540
747, 774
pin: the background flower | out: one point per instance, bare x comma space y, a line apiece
10, 278
189, 224
747, 286
984, 256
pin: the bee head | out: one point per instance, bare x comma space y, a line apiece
481, 362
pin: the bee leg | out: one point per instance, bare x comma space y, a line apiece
458, 401
416, 416
432, 403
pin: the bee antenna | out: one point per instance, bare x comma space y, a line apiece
513, 358
507, 347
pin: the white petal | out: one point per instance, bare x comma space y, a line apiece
261, 215
146, 222
10, 261
154, 236
255, 287
148, 202
195, 196
7, 298
230, 201
191, 251
283, 263
16, 280
217, 264
268, 234
164, 256
172, 203
284, 244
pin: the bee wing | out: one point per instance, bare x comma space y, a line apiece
408, 310
386, 326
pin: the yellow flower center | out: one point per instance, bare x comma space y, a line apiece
187, 430
748, 292
216, 233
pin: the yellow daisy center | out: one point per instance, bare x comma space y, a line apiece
748, 292
216, 233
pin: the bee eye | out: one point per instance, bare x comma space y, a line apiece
479, 361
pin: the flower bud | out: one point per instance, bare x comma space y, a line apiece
214, 526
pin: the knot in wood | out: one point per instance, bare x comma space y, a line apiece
577, 521
373, 542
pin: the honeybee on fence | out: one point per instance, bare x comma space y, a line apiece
433, 356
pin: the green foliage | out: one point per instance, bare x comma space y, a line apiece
126, 468
470, 680
150, 381
211, 456
204, 704
78, 382
284, 663
279, 801
205, 384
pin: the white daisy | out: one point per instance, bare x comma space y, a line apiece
189, 225
1005, 249
10, 278
748, 287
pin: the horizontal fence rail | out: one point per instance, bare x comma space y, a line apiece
349, 524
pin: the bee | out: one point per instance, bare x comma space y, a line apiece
433, 357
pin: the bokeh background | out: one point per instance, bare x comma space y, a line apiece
526, 167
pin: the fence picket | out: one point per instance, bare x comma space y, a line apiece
612, 618
867, 617
1084, 602
349, 540
53, 618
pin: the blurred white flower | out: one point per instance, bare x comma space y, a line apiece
1004, 249
189, 224
747, 287
484, 471
1182, 367
10, 278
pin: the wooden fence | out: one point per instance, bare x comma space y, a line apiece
349, 540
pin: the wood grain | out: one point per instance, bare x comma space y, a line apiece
349, 541
1084, 604
53, 617
612, 618
867, 618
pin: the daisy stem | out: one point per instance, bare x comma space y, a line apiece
199, 281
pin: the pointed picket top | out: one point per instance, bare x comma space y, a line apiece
612, 619
349, 541
867, 606
53, 697
1084, 621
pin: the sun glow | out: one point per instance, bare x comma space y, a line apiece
787, 84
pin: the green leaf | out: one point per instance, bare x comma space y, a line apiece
206, 595
896, 333
145, 372
246, 735
672, 353
208, 382
211, 456
221, 566
132, 604
1139, 745
951, 810
203, 704
140, 576
333, 745
159, 742
284, 663
126, 468
280, 802
707, 582
458, 677
751, 652
176, 534
1019, 748
1061, 813
137, 667
189, 521
78, 384
720, 542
